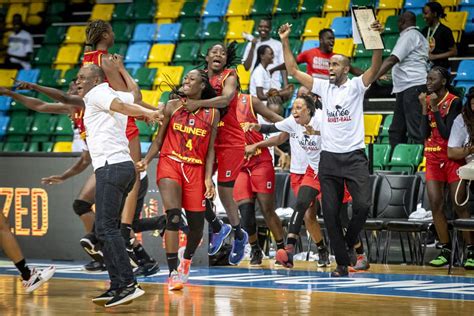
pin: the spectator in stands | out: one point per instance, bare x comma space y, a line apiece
461, 146
20, 46
439, 109
250, 55
317, 59
439, 36
409, 61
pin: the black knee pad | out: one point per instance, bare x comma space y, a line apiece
173, 217
81, 207
247, 215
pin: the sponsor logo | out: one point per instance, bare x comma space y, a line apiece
339, 115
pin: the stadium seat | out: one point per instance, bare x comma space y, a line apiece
406, 157
145, 32
102, 12
144, 77
309, 44
168, 33
205, 46
123, 31
310, 8
456, 21
262, 8
244, 76
15, 146
169, 10
342, 27
55, 11
286, 7
170, 74
45, 55
7, 77
372, 126
165, 96
422, 165
382, 15
151, 97
68, 76
160, 54
17, 108
303, 67
186, 52
16, 8
469, 27
381, 156
145, 131
362, 63
19, 126
63, 128
190, 31
236, 28
62, 147
122, 12
297, 28
215, 8
75, 35
383, 136
191, 10
4, 103
239, 8
363, 3
465, 71
144, 11
54, 35
391, 25
314, 25
415, 6
214, 31
42, 127
390, 5
137, 53
448, 3
119, 48
68, 54
420, 22
341, 6
4, 120
145, 146
344, 46
30, 75
389, 41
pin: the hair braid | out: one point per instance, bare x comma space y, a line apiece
94, 31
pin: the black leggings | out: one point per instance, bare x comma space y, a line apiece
196, 226
306, 195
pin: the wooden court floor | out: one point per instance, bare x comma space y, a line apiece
69, 294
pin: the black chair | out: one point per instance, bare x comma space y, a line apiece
422, 192
372, 225
463, 224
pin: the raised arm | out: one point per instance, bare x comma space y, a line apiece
371, 74
248, 61
132, 85
78, 167
53, 93
220, 102
114, 77
279, 139
210, 158
264, 111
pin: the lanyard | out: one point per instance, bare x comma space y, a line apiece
430, 35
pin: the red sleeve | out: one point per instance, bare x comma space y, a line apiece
301, 58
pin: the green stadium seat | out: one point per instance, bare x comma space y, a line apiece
406, 157
49, 77
186, 52
145, 131
119, 48
240, 50
361, 52
420, 22
63, 128
297, 28
18, 107
286, 7
391, 25
389, 41
310, 8
165, 96
363, 3
15, 146
144, 11
205, 46
40, 147
381, 156
191, 9
54, 35
19, 126
55, 11
190, 31
303, 68
47, 147
144, 77
123, 31
262, 8
362, 63
383, 135
295, 45
69, 75
122, 12
45, 55
42, 127
215, 31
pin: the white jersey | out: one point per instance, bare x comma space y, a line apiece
310, 144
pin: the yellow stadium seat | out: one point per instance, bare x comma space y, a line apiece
62, 147
383, 15
7, 77
236, 28
36, 7
314, 25
68, 54
102, 12
448, 3
390, 4
168, 10
244, 77
456, 21
151, 97
331, 15
75, 35
161, 54
16, 8
170, 74
422, 165
336, 6
344, 46
372, 126
239, 8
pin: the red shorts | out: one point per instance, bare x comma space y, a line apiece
295, 182
132, 129
191, 179
446, 172
229, 163
255, 178
311, 179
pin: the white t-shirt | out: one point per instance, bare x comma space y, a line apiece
261, 120
342, 128
299, 160
260, 78
310, 144
78, 144
459, 136
20, 45
277, 59
105, 129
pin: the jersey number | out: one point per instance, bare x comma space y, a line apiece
189, 144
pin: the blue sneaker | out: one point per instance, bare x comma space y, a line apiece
238, 249
217, 239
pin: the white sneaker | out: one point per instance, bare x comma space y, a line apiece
37, 278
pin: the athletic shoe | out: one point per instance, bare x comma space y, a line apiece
104, 297
442, 259
285, 256
469, 264
38, 278
125, 295
217, 239
256, 257
362, 263
323, 260
238, 249
352, 256
341, 271
146, 269
95, 266
183, 269
174, 282
92, 249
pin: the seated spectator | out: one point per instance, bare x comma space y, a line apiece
20, 46
439, 36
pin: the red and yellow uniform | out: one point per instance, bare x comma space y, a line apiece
438, 166
183, 154
257, 174
95, 57
78, 120
230, 137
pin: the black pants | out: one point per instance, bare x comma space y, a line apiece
113, 183
406, 118
334, 169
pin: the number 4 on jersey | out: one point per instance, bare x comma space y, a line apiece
189, 144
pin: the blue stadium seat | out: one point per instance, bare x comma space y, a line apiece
342, 26
469, 28
465, 71
215, 8
145, 32
30, 75
5, 103
415, 6
137, 53
308, 44
4, 120
145, 146
466, 3
168, 33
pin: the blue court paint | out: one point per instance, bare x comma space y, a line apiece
401, 285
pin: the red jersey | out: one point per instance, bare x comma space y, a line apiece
317, 62
78, 120
188, 135
436, 147
229, 133
245, 114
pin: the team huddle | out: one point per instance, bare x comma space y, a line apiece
209, 126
